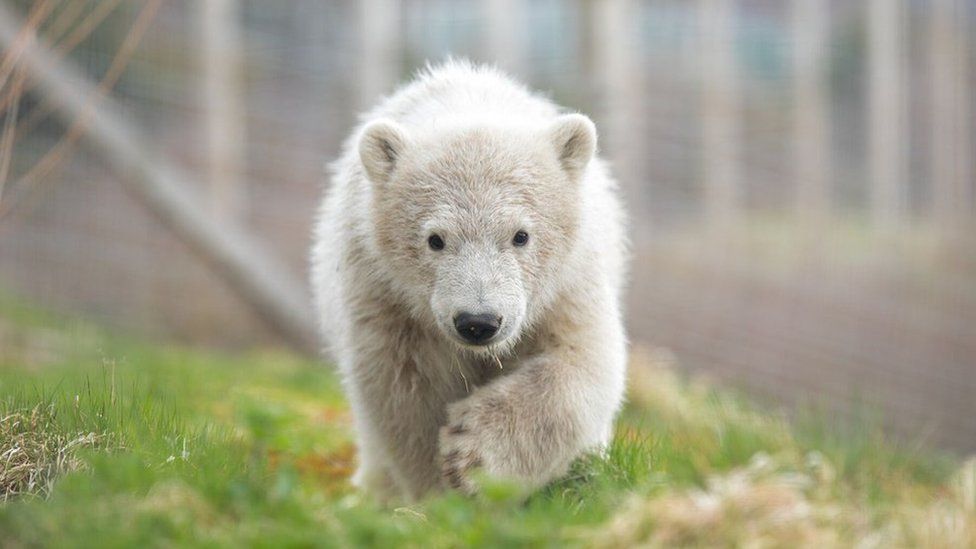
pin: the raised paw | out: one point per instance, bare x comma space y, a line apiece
461, 450
459, 457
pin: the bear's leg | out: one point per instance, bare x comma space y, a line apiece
398, 413
373, 473
528, 426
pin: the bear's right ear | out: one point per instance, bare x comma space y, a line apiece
574, 138
381, 144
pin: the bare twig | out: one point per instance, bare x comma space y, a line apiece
247, 268
81, 31
8, 132
24, 38
59, 152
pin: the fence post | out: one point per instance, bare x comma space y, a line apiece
720, 112
964, 118
811, 115
888, 123
616, 68
951, 140
504, 34
224, 109
379, 40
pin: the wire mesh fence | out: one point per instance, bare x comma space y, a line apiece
799, 174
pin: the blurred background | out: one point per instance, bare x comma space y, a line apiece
799, 174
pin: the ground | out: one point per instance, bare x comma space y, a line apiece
110, 441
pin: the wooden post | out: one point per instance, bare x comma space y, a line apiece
811, 115
951, 139
888, 120
721, 112
617, 70
379, 41
224, 111
964, 118
504, 34
249, 270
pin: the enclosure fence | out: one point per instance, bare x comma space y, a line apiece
799, 175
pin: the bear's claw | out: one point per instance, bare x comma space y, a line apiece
455, 469
459, 455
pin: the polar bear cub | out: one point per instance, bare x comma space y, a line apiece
467, 268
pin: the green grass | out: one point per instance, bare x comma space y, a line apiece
106, 441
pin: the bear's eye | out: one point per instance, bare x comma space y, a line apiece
435, 242
521, 238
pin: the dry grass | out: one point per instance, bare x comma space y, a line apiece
756, 506
34, 451
766, 505
790, 498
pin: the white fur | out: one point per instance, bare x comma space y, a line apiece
467, 153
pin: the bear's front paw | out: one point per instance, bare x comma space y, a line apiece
464, 444
459, 459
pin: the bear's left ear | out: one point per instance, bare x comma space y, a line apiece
574, 137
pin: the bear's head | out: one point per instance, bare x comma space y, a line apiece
475, 222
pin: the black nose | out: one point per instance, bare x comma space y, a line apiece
477, 329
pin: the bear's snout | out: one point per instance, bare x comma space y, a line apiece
477, 329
